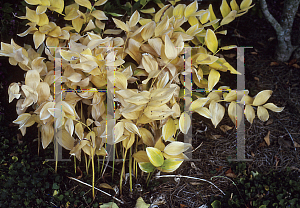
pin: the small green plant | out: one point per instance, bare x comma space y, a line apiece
254, 189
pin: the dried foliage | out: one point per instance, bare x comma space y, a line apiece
147, 58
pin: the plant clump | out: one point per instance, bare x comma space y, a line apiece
142, 64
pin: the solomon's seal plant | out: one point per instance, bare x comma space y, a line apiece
148, 60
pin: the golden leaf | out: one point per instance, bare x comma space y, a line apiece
245, 4
100, 15
170, 50
203, 111
211, 41
141, 156
147, 138
267, 138
84, 3
235, 113
213, 79
224, 8
169, 130
234, 5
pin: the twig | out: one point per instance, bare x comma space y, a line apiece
181, 176
289, 135
96, 189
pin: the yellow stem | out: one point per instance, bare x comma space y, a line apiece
122, 172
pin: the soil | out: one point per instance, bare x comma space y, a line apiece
213, 147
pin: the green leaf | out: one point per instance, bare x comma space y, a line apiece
216, 204
115, 14
146, 167
171, 165
155, 156
55, 186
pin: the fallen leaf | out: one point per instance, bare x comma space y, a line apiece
231, 175
256, 78
254, 53
219, 168
296, 66
262, 44
271, 38
277, 161
182, 206
263, 144
267, 138
195, 183
252, 154
214, 136
296, 144
225, 128
229, 171
293, 61
274, 63
232, 55
270, 121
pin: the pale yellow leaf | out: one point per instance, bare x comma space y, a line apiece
65, 140
217, 112
32, 79
235, 113
118, 131
47, 133
100, 15
178, 11
249, 113
134, 19
191, 9
245, 4
121, 25
262, 97
38, 38
203, 111
200, 102
184, 122
170, 50
229, 18
169, 130
213, 79
262, 113
273, 107
176, 148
